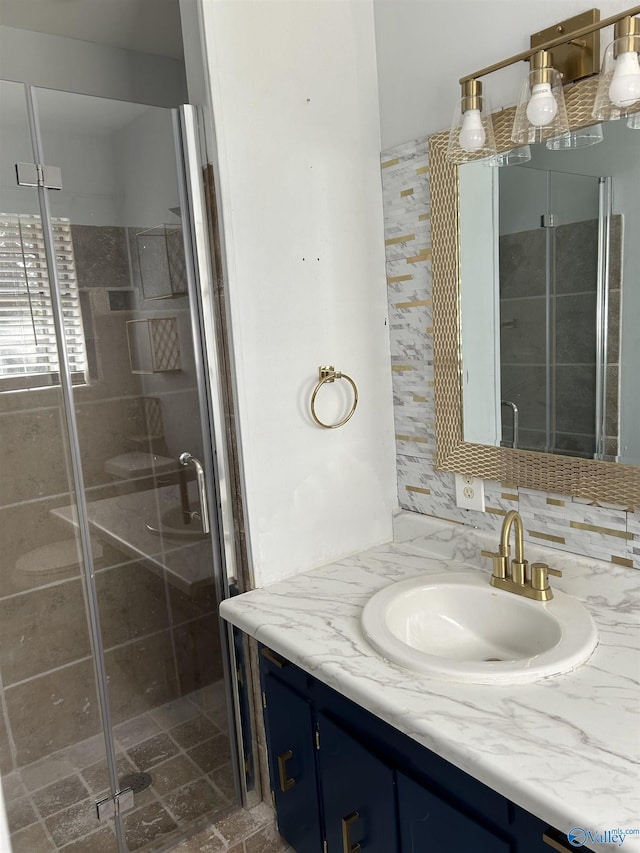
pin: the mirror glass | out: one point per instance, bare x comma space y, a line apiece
550, 300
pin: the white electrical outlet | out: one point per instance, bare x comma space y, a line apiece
469, 492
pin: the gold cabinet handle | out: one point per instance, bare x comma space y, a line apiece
275, 659
556, 840
285, 783
347, 823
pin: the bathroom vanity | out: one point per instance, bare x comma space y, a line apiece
366, 752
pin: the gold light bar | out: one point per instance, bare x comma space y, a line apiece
564, 39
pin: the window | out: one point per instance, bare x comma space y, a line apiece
28, 350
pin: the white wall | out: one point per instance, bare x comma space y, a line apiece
73, 65
295, 106
425, 46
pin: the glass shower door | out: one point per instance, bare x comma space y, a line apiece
139, 423
52, 742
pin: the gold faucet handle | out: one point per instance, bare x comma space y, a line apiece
540, 575
500, 563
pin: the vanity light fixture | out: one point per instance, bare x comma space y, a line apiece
471, 136
618, 92
541, 113
562, 54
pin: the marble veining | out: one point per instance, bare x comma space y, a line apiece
564, 748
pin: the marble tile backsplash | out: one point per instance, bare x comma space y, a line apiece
571, 524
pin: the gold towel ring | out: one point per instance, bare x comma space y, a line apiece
328, 373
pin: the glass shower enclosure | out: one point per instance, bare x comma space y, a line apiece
115, 730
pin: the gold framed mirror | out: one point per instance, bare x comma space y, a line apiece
608, 482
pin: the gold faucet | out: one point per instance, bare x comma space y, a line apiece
513, 578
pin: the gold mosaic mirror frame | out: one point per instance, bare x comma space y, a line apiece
609, 482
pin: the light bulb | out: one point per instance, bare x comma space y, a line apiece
625, 86
472, 135
542, 107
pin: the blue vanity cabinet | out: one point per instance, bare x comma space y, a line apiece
344, 781
428, 824
357, 793
290, 741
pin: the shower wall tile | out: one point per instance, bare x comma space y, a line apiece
575, 332
53, 711
576, 256
6, 760
141, 676
41, 630
520, 273
28, 439
101, 255
132, 602
559, 521
198, 655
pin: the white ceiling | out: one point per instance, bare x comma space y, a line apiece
149, 26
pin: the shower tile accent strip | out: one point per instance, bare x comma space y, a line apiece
576, 525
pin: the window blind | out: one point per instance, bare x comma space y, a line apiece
28, 350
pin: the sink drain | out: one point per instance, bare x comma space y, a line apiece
489, 660
136, 781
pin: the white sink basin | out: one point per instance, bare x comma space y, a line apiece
457, 627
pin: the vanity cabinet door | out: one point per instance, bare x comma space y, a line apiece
430, 825
358, 794
290, 741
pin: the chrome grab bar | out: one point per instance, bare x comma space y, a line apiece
514, 411
187, 459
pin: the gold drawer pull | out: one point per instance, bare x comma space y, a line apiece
347, 822
275, 659
285, 783
555, 839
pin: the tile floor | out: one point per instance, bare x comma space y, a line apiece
184, 745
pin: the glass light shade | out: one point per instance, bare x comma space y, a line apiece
513, 157
541, 113
579, 138
618, 92
471, 137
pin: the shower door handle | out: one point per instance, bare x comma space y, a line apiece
187, 459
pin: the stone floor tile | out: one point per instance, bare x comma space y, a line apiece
34, 839
146, 825
136, 730
153, 751
193, 732
211, 754
60, 795
195, 800
238, 825
20, 813
266, 840
72, 823
96, 775
102, 841
174, 774
222, 778
263, 814
174, 713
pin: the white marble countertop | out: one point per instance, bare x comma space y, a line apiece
565, 748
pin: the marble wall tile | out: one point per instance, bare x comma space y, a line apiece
558, 521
